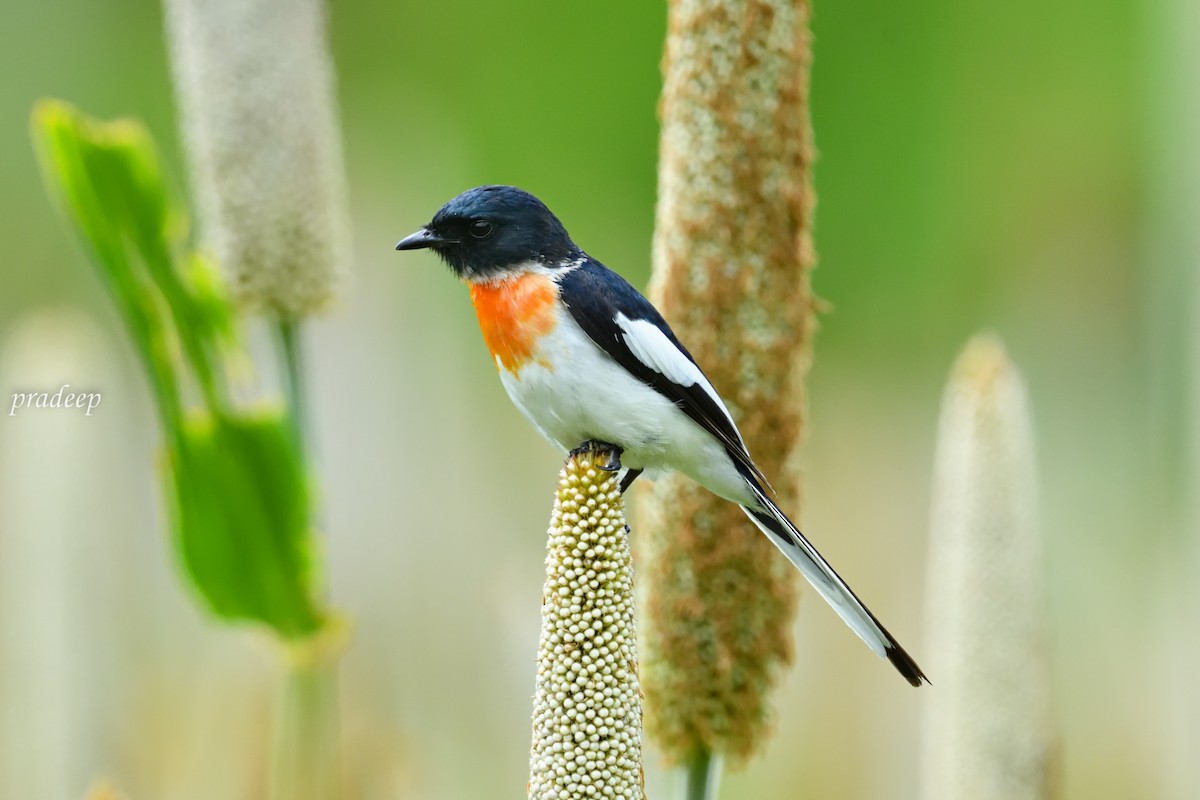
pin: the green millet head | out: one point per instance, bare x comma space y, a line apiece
587, 716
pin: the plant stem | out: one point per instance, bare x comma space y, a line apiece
702, 776
305, 763
293, 378
304, 758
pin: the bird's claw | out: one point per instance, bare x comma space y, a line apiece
610, 453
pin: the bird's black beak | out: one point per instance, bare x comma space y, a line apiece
421, 239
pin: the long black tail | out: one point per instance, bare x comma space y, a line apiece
788, 538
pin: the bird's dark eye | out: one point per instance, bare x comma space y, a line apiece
481, 228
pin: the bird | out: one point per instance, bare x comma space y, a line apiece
594, 366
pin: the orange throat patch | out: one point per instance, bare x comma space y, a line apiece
514, 313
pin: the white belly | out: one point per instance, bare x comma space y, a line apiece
573, 392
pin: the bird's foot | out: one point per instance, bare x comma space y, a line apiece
629, 478
609, 453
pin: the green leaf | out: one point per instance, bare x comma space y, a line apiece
104, 175
241, 518
236, 480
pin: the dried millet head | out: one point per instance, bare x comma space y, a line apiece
587, 716
732, 261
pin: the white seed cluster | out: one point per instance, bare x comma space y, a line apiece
587, 713
988, 729
255, 88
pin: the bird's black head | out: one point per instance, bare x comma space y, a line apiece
489, 230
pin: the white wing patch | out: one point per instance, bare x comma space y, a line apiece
652, 347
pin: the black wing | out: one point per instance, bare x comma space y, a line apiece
595, 295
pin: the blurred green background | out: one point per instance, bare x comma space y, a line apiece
1028, 168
